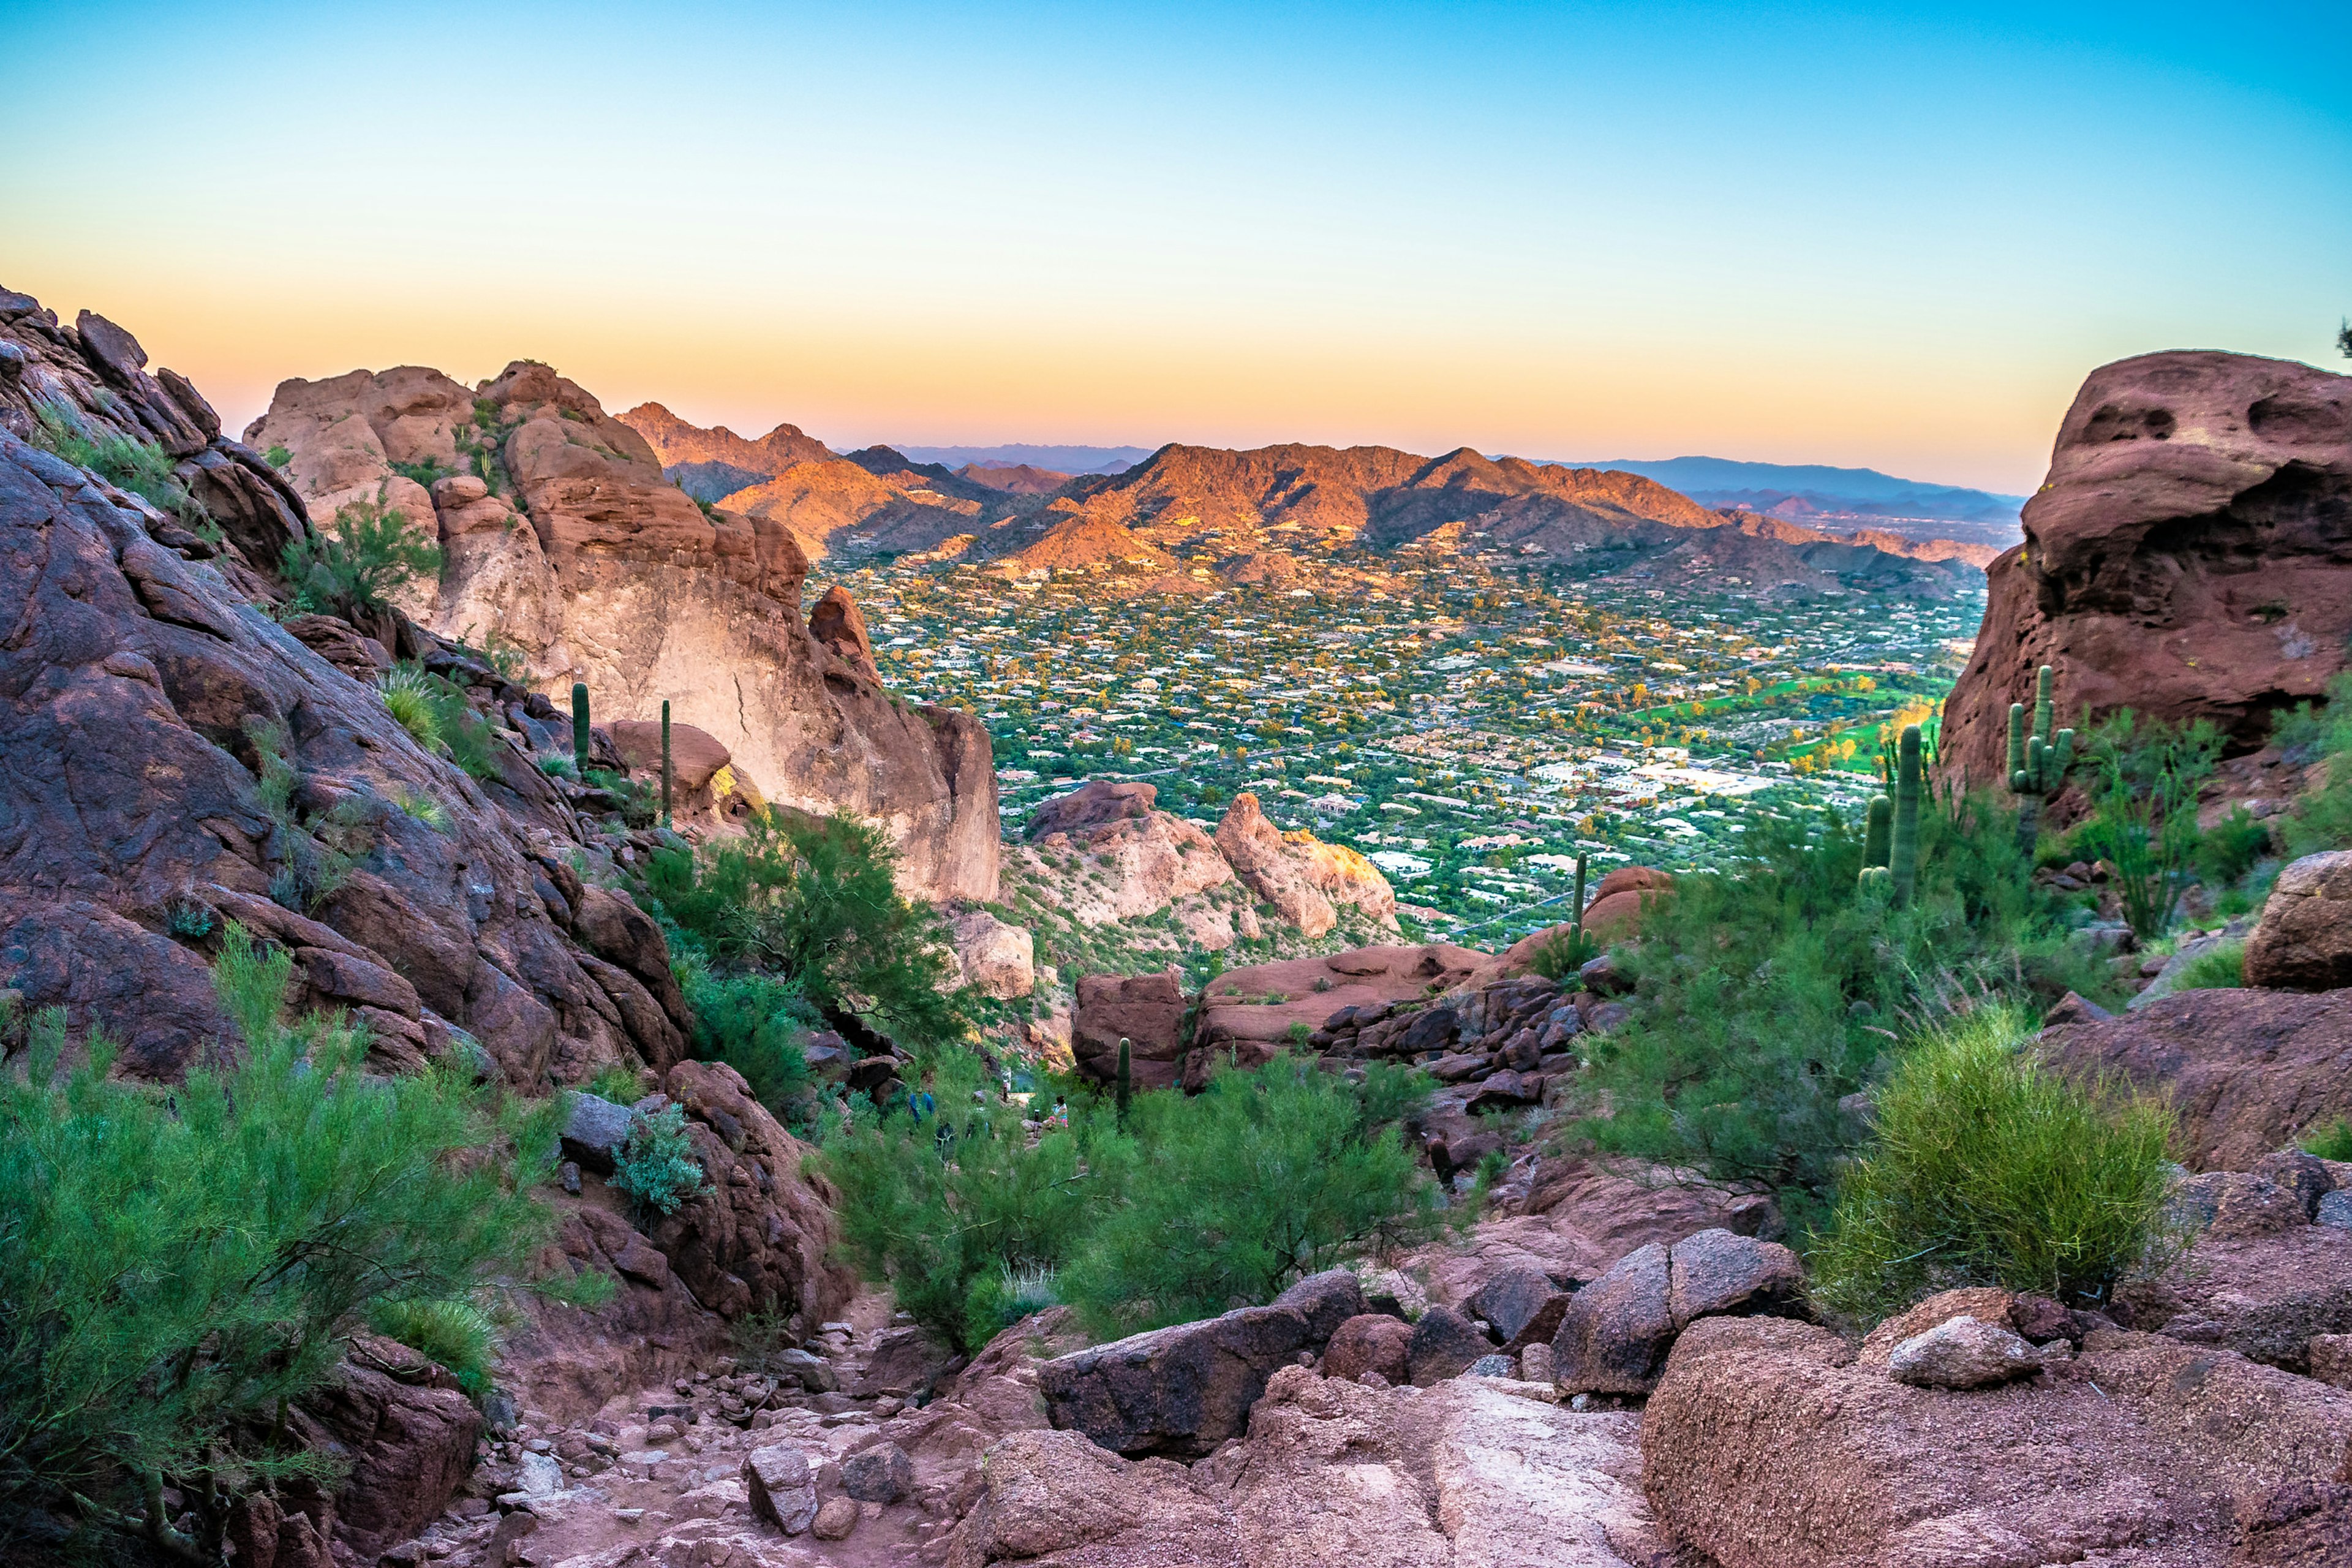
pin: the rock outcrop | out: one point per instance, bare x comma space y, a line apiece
1300, 876
2303, 939
561, 536
1766, 1444
1141, 860
2189, 556
2247, 1070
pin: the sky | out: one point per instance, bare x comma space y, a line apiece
1896, 236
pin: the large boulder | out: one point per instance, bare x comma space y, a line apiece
404, 1443
997, 959
1181, 1390
2185, 558
2303, 939
1097, 802
1136, 863
1766, 1445
1374, 1342
2246, 1071
1615, 1332
1250, 1013
1145, 1010
2265, 1296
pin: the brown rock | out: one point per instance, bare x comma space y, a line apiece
1373, 1343
835, 1518
695, 755
1763, 1446
1718, 1271
406, 1449
783, 1487
997, 960
1522, 1305
1986, 1303
1444, 1345
2247, 1070
2263, 1296
2184, 558
838, 628
1614, 1335
1146, 1010
880, 1474
1962, 1353
2303, 939
2299, 1524
1180, 1390
1097, 802
1247, 1014
1303, 877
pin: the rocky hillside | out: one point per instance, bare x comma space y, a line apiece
2189, 555
564, 542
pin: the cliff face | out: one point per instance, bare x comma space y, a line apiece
2189, 555
563, 540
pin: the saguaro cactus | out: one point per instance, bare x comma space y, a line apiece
1877, 832
2037, 761
665, 772
1126, 1089
1902, 833
580, 726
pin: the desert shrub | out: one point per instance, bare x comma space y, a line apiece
461, 1334
278, 457
2322, 818
421, 806
2230, 848
1269, 1176
2332, 1141
1200, 1203
1567, 949
425, 471
141, 468
758, 1024
1987, 1168
408, 697
813, 901
640, 805
616, 1081
2143, 782
180, 1264
2217, 968
1767, 995
316, 854
348, 568
657, 1166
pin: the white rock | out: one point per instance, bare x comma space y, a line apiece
1962, 1353
538, 1475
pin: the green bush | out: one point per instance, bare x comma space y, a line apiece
813, 900
2322, 818
656, 1165
2332, 1141
2230, 848
2144, 781
460, 1334
408, 695
277, 457
141, 468
1766, 995
1202, 1203
758, 1024
368, 553
180, 1264
2217, 968
1987, 1168
620, 1084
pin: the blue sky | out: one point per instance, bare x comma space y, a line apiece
1896, 236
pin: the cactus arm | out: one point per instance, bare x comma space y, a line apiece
1902, 859
1877, 830
2016, 739
666, 771
580, 726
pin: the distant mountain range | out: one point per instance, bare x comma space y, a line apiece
1020, 453
1817, 494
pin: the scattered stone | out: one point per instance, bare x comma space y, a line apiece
1962, 1353
1493, 1366
1444, 1345
1535, 1365
880, 1474
1615, 1334
782, 1488
835, 1519
538, 1475
1371, 1344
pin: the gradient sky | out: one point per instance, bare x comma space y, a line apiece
1896, 236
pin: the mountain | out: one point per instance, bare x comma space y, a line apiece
1062, 459
676, 441
1212, 503
1020, 479
1811, 492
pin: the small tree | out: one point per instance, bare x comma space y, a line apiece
370, 553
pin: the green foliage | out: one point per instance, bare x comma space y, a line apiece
656, 1165
1989, 1169
615, 1081
187, 919
408, 697
2322, 818
758, 1024
421, 806
179, 1265
1765, 995
368, 553
2231, 847
459, 1333
813, 900
636, 802
141, 468
2144, 812
315, 856
2219, 967
1878, 832
1202, 1203
2332, 1141
425, 472
1902, 833
277, 457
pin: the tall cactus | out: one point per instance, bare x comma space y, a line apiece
665, 770
1126, 1090
1877, 832
2037, 761
580, 726
1902, 833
